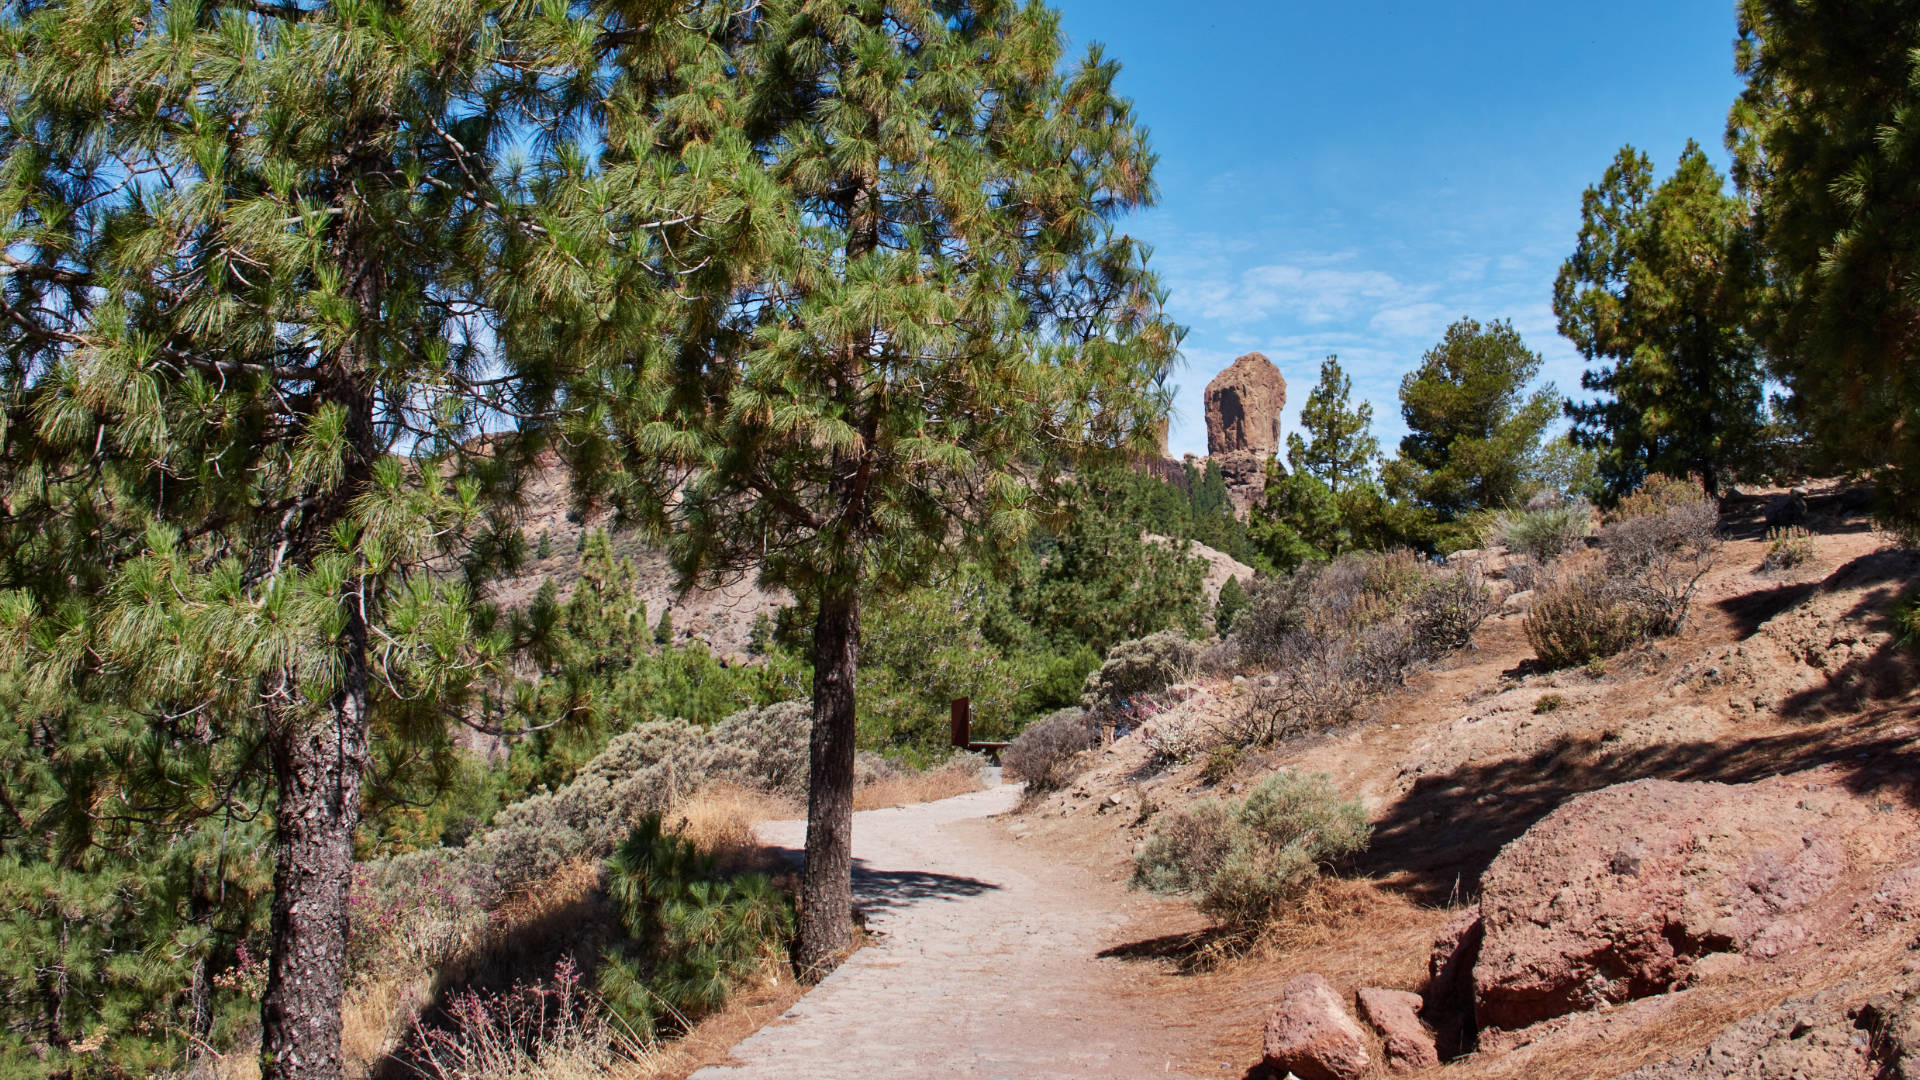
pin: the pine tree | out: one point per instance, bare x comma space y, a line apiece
1341, 449
1662, 285
1827, 150
253, 253
917, 308
1473, 429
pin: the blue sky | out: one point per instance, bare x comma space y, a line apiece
1350, 178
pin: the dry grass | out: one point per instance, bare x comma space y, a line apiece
566, 887
907, 788
719, 820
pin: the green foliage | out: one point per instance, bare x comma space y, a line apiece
1097, 582
1330, 501
1473, 430
1340, 448
1246, 860
663, 630
1827, 149
693, 936
1660, 293
1546, 534
1548, 703
1232, 600
1906, 620
544, 550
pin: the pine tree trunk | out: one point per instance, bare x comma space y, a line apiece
320, 761
826, 888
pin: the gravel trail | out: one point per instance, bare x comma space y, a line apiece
982, 962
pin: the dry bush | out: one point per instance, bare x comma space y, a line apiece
1137, 667
1334, 635
1043, 755
1639, 585
1544, 534
906, 787
1658, 494
544, 1031
1786, 549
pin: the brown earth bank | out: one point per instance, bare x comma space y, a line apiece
1747, 905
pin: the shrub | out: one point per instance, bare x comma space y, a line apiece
547, 1030
764, 748
1138, 667
693, 935
1582, 613
1544, 534
416, 910
1233, 600
1639, 585
1906, 620
1043, 754
1658, 494
1547, 703
1333, 635
1786, 549
1245, 861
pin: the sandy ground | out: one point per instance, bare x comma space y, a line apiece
983, 961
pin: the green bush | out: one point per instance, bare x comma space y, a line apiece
1245, 861
1906, 620
1544, 534
692, 935
1139, 667
1044, 753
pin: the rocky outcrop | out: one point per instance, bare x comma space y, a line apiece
1245, 473
1614, 895
1311, 1035
1395, 1014
1244, 403
1819, 1035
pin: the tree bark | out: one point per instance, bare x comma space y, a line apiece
320, 761
826, 887
321, 757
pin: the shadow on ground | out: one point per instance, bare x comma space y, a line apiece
1438, 840
892, 890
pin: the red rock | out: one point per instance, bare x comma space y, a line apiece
1311, 1035
1612, 896
1244, 404
1395, 1014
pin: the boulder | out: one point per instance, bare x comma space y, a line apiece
1244, 403
1447, 1002
1613, 896
1311, 1035
1395, 1014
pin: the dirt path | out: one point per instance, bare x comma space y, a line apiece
983, 963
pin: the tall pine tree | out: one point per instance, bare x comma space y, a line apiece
257, 306
1827, 149
1659, 291
921, 310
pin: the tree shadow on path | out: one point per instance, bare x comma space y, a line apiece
896, 890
